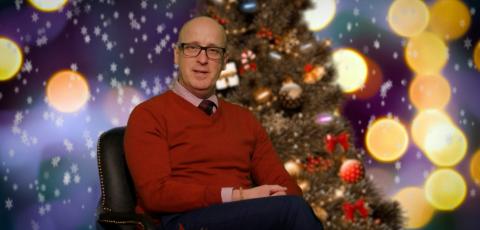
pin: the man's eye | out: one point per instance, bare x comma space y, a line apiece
214, 50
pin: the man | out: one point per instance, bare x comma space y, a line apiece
201, 162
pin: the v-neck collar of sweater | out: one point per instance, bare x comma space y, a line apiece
189, 106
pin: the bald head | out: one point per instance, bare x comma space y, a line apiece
205, 24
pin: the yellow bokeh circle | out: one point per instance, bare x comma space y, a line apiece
445, 189
67, 91
408, 17
351, 69
429, 92
11, 59
424, 122
417, 211
320, 15
48, 5
386, 139
450, 19
475, 167
445, 145
476, 56
426, 53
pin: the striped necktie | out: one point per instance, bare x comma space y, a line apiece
207, 106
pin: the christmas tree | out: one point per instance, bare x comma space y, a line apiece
285, 76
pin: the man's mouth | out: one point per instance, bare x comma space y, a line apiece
200, 71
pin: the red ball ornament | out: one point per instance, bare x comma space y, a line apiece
352, 171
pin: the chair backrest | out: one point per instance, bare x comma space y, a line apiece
117, 189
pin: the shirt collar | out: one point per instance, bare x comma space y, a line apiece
180, 90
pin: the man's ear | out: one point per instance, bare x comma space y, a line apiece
175, 55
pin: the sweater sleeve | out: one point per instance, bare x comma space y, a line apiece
147, 155
266, 164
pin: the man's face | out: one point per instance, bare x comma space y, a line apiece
199, 74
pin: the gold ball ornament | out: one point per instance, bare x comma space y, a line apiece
321, 213
292, 167
290, 95
262, 95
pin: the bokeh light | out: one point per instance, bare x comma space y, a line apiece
351, 69
424, 122
320, 15
408, 17
475, 167
386, 139
429, 92
373, 82
426, 53
67, 91
476, 56
445, 189
48, 5
11, 59
450, 19
417, 211
445, 145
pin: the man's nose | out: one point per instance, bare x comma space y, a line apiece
202, 57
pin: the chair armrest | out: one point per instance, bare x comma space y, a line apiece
121, 218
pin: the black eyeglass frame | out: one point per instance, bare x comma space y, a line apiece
183, 44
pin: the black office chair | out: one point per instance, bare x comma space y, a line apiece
116, 208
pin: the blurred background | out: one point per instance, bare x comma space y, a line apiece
72, 69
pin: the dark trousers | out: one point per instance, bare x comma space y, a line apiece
278, 212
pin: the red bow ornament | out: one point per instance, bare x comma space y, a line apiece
331, 141
350, 208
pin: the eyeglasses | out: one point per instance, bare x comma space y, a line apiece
192, 50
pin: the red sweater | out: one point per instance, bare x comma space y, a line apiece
180, 158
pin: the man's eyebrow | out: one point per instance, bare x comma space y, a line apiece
208, 45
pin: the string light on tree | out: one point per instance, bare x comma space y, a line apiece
408, 18
445, 189
445, 145
475, 167
351, 68
417, 211
450, 19
48, 5
67, 91
429, 92
11, 59
320, 15
424, 122
426, 53
386, 139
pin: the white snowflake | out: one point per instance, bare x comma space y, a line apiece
76, 179
35, 225
27, 66
104, 37
160, 28
41, 211
59, 121
68, 145
356, 11
144, 4
97, 31
35, 17
376, 44
109, 46
158, 49
8, 203
126, 71
83, 30
87, 38
113, 67
66, 178
385, 88
74, 168
89, 143
467, 43
56, 192
74, 67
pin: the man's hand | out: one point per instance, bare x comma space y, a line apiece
259, 191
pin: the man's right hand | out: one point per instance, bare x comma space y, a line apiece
259, 191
